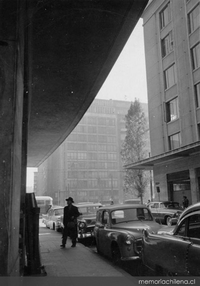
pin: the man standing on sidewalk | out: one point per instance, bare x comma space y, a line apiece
70, 223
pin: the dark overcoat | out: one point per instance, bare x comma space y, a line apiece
70, 214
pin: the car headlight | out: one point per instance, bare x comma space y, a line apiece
177, 214
82, 225
128, 239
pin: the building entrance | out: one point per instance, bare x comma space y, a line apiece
179, 186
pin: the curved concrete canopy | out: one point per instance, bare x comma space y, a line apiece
72, 48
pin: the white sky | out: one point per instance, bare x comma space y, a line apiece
127, 79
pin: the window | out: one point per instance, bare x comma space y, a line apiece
195, 53
92, 120
102, 130
194, 19
172, 110
165, 16
101, 121
92, 138
174, 141
170, 77
194, 226
181, 230
167, 44
197, 94
92, 129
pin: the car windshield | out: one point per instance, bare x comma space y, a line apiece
171, 205
58, 211
86, 210
132, 214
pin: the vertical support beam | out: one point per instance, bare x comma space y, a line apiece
194, 186
11, 112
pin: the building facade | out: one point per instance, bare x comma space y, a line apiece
172, 51
87, 165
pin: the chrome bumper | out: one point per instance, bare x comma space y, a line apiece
131, 258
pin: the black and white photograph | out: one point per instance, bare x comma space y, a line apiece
100, 142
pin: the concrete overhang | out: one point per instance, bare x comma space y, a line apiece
149, 163
73, 45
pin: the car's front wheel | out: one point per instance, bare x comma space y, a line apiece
116, 255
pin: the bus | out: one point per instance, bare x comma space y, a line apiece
44, 203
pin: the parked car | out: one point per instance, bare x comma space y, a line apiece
118, 227
86, 221
53, 218
166, 212
176, 252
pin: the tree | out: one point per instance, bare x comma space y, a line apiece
133, 150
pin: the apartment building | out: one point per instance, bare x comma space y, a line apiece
87, 165
172, 51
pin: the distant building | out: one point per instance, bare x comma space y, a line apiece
87, 165
172, 50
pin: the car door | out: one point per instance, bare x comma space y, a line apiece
168, 252
103, 234
177, 250
193, 261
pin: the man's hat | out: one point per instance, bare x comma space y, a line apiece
70, 199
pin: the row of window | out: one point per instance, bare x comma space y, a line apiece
92, 174
91, 138
92, 184
94, 129
91, 165
101, 109
92, 120
193, 17
91, 147
92, 156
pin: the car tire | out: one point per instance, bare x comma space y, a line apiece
116, 255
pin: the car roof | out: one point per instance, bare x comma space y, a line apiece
171, 202
57, 207
190, 209
88, 205
123, 206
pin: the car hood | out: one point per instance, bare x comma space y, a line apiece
166, 230
138, 226
87, 217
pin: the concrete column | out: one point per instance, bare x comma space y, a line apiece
194, 186
11, 116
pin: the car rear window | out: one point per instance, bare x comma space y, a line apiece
171, 205
88, 210
132, 214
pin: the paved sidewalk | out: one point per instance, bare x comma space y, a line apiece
78, 263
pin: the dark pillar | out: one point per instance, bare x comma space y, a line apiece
11, 112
